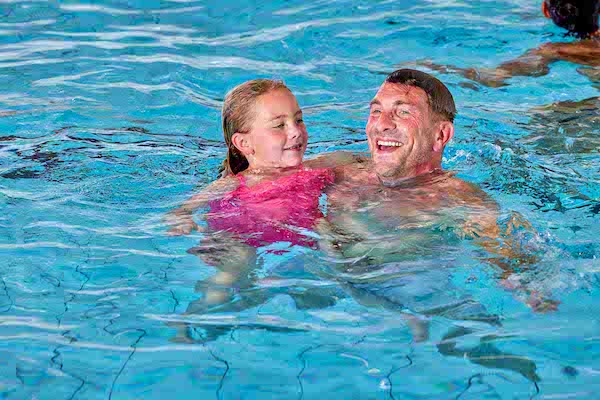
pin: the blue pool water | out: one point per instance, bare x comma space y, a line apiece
109, 117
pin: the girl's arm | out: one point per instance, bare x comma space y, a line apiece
181, 219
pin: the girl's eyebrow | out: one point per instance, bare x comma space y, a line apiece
277, 117
284, 115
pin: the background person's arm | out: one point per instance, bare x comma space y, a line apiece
533, 63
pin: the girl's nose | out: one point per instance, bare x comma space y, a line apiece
295, 131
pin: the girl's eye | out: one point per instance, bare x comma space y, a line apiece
279, 126
299, 121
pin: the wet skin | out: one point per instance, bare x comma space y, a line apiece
405, 137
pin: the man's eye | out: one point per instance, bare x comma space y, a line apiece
375, 112
299, 121
403, 112
279, 126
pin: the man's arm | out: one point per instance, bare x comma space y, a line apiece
504, 246
481, 225
334, 159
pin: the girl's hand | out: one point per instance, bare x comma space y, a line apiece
181, 224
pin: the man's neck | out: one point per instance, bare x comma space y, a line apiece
420, 169
418, 175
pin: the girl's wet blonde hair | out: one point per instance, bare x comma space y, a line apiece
237, 116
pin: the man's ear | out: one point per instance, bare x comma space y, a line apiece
445, 132
242, 142
545, 9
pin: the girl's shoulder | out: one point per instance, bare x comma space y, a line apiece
223, 185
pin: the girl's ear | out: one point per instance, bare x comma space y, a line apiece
445, 132
243, 143
545, 9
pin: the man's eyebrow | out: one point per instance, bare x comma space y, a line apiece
402, 103
374, 102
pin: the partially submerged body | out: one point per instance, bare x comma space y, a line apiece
273, 210
411, 201
268, 193
420, 218
534, 63
578, 17
399, 248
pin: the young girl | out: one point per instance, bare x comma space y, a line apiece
266, 195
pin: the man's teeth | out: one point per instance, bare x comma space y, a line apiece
388, 144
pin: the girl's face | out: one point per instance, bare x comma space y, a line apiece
277, 137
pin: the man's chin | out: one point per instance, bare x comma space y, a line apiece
386, 170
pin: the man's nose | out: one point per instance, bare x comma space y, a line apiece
385, 122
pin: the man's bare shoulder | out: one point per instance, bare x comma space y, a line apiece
468, 192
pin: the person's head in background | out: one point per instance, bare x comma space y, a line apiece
262, 127
579, 17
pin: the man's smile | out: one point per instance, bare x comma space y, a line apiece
384, 145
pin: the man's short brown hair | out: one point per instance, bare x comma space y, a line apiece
439, 97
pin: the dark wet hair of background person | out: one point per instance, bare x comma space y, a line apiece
440, 98
579, 17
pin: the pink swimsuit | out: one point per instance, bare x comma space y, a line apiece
274, 211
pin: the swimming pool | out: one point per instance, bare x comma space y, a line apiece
109, 117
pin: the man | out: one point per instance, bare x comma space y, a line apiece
410, 122
399, 206
402, 187
398, 220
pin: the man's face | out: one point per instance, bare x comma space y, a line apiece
401, 132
